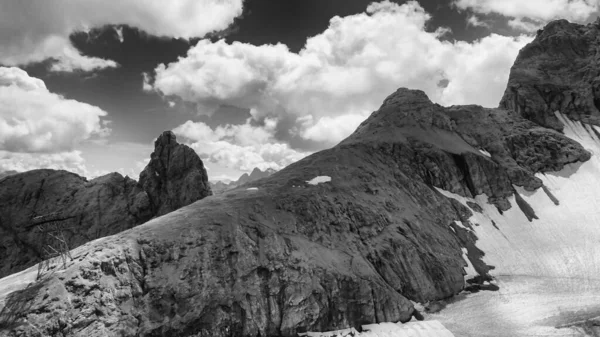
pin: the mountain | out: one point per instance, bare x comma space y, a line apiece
96, 208
174, 177
481, 221
7, 173
219, 186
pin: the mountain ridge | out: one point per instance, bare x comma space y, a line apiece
411, 197
102, 206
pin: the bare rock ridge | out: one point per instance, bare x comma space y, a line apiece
288, 256
559, 70
175, 175
99, 207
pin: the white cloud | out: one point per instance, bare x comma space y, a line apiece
32, 31
520, 24
474, 21
344, 73
538, 12
19, 161
32, 119
241, 147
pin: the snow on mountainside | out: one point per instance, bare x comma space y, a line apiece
483, 222
548, 270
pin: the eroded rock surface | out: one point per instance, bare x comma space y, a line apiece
290, 257
558, 71
103, 206
175, 176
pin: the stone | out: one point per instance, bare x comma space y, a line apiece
175, 176
558, 71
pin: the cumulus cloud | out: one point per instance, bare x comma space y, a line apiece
40, 129
530, 15
32, 31
344, 73
474, 21
18, 161
242, 147
32, 119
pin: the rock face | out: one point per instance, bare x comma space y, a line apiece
559, 70
175, 175
95, 208
100, 207
7, 173
287, 256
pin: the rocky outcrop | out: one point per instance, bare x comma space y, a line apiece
110, 204
559, 70
286, 256
175, 175
96, 208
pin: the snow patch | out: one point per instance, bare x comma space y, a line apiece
17, 281
252, 189
544, 268
485, 153
410, 329
319, 180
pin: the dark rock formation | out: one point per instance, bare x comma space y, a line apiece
175, 176
288, 256
100, 207
559, 70
7, 173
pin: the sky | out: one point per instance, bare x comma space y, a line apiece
87, 86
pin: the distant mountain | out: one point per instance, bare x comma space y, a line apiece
220, 186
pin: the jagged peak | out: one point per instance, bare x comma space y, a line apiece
167, 138
404, 96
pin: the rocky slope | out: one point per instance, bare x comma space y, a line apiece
558, 71
281, 256
7, 173
95, 208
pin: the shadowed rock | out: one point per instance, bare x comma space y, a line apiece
110, 204
558, 70
175, 176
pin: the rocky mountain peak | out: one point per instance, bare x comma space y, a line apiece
557, 71
167, 138
175, 176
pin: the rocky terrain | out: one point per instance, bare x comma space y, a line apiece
286, 256
103, 206
7, 173
281, 256
220, 186
559, 70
